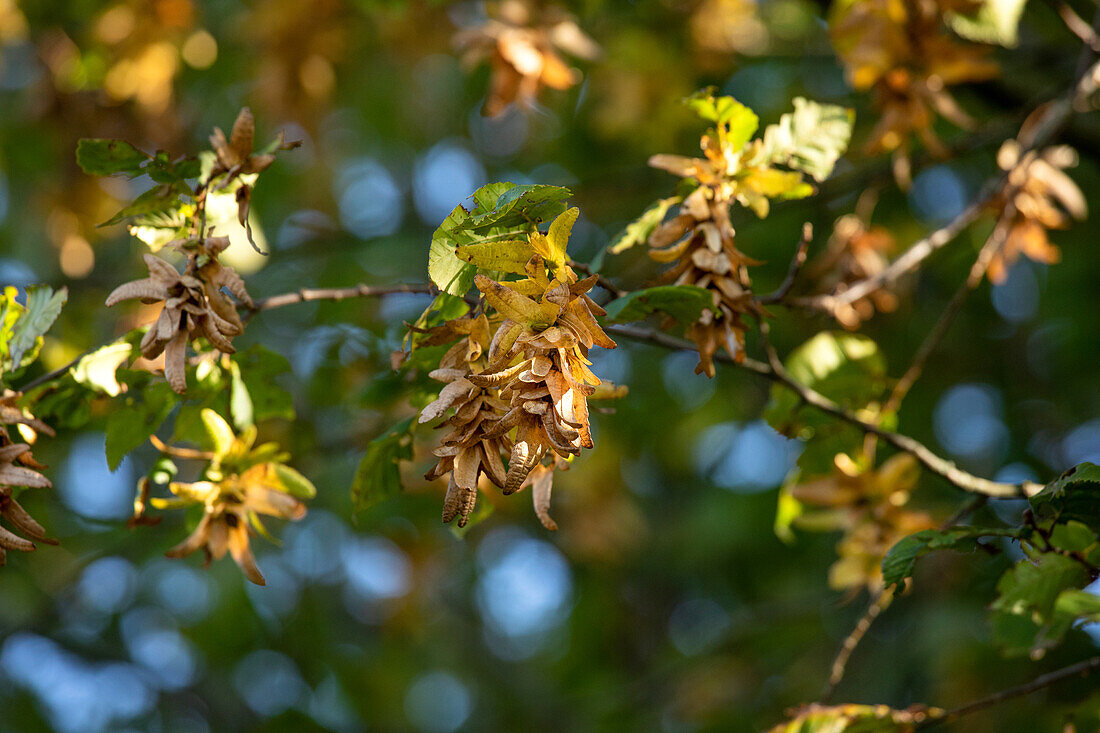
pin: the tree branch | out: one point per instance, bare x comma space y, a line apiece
795, 267
361, 290
840, 663
1046, 680
1055, 117
939, 330
602, 281
934, 463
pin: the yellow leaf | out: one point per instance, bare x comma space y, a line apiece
507, 256
770, 182
558, 237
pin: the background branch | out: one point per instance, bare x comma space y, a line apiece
934, 463
1081, 668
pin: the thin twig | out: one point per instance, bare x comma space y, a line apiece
60, 371
974, 278
934, 463
263, 304
602, 281
361, 290
1077, 25
907, 262
1046, 680
1056, 116
840, 663
797, 262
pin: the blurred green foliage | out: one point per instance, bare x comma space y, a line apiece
666, 602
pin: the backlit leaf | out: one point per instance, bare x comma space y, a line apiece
811, 139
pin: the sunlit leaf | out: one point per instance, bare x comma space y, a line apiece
293, 482
97, 369
737, 121
810, 139
22, 326
848, 369
510, 255
638, 231
818, 718
996, 21
218, 432
240, 402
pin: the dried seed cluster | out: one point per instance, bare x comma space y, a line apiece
522, 47
903, 51
521, 392
855, 251
1039, 196
870, 506
19, 469
241, 483
230, 509
194, 304
700, 241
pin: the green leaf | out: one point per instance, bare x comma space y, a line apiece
902, 557
100, 157
996, 21
139, 417
501, 211
848, 369
159, 204
811, 139
1072, 537
1028, 614
685, 303
240, 402
523, 205
218, 433
379, 476
97, 369
1080, 604
164, 170
638, 231
446, 269
787, 510
295, 483
22, 326
1075, 495
737, 122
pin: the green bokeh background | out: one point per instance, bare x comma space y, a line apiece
665, 602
